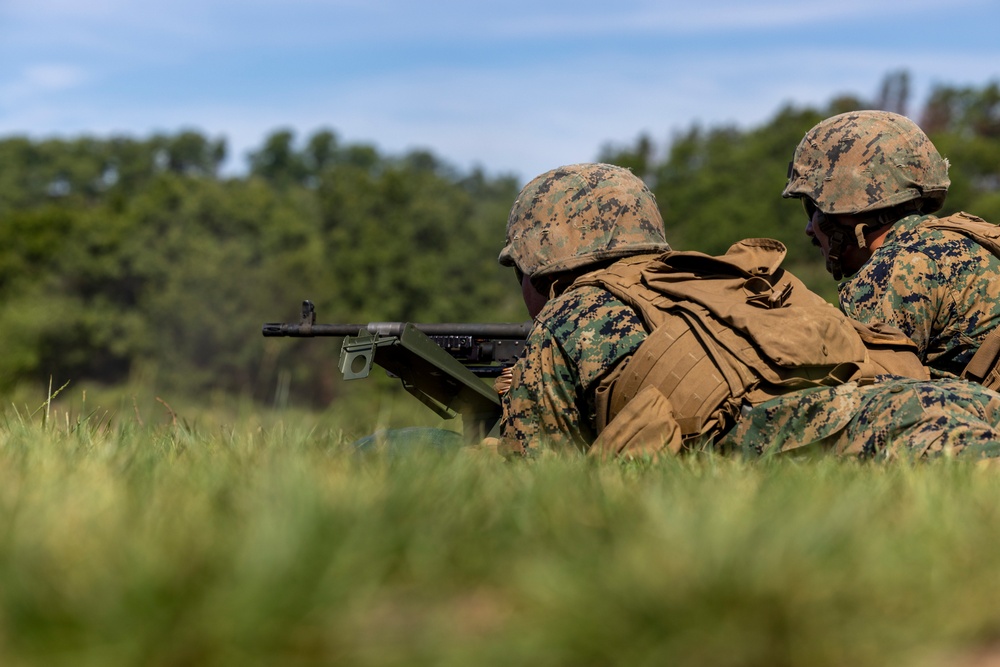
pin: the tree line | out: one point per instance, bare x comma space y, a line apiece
136, 259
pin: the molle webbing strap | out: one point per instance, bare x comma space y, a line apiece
673, 358
838, 241
679, 357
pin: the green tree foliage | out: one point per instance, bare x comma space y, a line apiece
126, 258
965, 125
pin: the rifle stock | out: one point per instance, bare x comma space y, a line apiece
440, 364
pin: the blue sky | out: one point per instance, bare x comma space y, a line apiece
518, 86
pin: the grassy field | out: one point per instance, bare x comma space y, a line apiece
129, 542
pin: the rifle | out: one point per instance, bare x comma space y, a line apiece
442, 365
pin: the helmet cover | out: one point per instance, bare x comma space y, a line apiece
863, 161
581, 214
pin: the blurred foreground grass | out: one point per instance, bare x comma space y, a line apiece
127, 542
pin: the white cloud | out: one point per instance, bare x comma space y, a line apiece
53, 77
40, 79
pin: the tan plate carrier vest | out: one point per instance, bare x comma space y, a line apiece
734, 330
984, 367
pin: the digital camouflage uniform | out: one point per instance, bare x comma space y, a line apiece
585, 332
892, 419
940, 287
576, 339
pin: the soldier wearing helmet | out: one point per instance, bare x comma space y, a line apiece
638, 349
870, 182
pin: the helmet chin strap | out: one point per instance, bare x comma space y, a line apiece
839, 240
859, 235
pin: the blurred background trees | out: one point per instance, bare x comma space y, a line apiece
135, 260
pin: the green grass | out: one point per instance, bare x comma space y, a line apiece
129, 542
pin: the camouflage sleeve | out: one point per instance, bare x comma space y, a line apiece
542, 405
576, 340
904, 289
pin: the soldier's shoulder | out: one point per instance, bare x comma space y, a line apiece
916, 238
579, 305
590, 322
917, 231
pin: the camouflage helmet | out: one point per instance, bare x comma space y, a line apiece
580, 214
864, 161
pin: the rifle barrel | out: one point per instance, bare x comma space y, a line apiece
300, 330
516, 330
